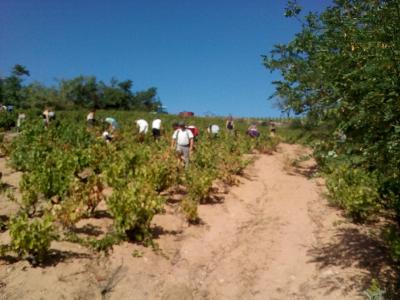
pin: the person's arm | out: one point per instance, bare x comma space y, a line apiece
191, 144
173, 142
46, 114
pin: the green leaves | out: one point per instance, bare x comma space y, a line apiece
342, 69
292, 9
31, 237
355, 191
133, 208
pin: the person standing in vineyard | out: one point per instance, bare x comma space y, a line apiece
143, 127
272, 129
252, 131
182, 142
48, 115
21, 118
230, 126
213, 130
91, 118
156, 128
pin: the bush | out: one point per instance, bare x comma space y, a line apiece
7, 120
31, 237
355, 190
392, 238
133, 208
189, 208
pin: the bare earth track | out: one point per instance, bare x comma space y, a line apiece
272, 237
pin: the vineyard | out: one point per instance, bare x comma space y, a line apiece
68, 170
304, 207
98, 210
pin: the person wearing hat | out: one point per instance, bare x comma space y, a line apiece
182, 142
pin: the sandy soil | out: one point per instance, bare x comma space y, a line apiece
272, 237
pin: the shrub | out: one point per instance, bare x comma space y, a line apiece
7, 120
189, 207
355, 190
392, 238
133, 207
31, 237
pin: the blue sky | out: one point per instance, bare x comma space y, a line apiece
203, 56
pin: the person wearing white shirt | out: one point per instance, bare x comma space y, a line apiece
156, 128
107, 137
142, 125
182, 141
21, 118
213, 130
90, 118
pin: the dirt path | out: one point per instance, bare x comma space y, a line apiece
273, 237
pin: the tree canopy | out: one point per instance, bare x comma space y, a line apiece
343, 68
81, 91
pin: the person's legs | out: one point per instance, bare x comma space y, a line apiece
184, 150
156, 133
186, 156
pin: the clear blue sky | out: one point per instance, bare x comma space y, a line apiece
201, 55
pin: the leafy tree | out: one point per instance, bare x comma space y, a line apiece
81, 91
20, 70
343, 67
11, 86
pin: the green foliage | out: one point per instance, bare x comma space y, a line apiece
133, 208
31, 237
267, 145
199, 183
161, 171
11, 89
392, 237
342, 70
374, 292
190, 209
67, 167
7, 120
104, 244
81, 91
355, 191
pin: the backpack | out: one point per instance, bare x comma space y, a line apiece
229, 125
194, 130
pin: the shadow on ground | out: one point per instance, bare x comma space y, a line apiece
54, 258
88, 229
353, 248
158, 231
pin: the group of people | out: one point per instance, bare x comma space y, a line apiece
112, 126
183, 137
6, 108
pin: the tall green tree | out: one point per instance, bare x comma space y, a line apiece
343, 67
11, 91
